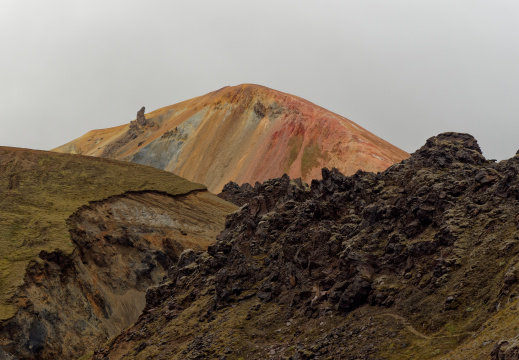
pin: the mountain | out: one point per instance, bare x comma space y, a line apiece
245, 133
417, 262
81, 241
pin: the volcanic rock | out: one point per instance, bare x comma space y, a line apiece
414, 262
141, 119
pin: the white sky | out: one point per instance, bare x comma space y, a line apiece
404, 69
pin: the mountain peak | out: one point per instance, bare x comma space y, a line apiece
243, 133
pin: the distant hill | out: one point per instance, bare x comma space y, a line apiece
82, 239
244, 133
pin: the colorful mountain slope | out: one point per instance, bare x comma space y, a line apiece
245, 133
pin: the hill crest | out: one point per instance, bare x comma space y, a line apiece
81, 239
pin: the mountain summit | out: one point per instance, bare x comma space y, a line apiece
244, 133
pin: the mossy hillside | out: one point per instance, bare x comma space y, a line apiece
42, 189
251, 329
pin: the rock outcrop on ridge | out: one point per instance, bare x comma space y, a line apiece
244, 133
419, 261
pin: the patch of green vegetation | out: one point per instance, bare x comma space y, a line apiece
451, 328
294, 146
311, 156
87, 356
40, 190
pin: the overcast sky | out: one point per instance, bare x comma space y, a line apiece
404, 69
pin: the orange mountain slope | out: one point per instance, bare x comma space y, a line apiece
244, 133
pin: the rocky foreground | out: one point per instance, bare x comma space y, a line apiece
417, 262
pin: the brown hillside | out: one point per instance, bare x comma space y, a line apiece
81, 240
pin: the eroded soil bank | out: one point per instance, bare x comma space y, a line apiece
69, 304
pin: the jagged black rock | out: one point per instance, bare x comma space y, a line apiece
430, 242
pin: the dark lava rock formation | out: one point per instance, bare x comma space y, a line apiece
415, 262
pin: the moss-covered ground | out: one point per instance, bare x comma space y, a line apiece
40, 190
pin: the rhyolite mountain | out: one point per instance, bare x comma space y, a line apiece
420, 261
81, 241
244, 133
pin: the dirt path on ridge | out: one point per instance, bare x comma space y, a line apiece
413, 330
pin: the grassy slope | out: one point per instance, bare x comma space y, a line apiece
40, 190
